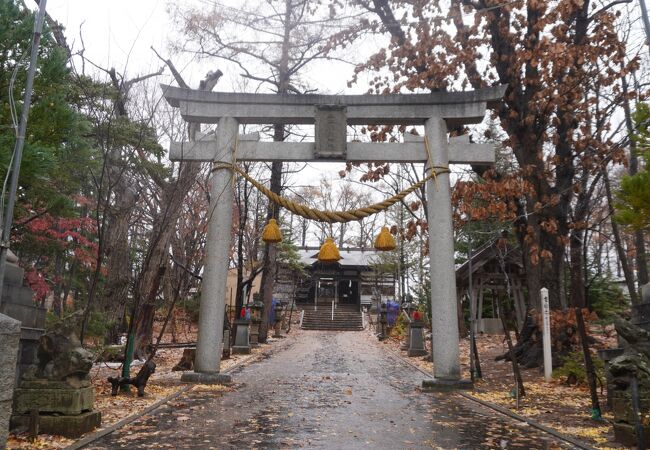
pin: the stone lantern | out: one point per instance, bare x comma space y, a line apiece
242, 336
416, 335
383, 322
257, 311
408, 308
278, 320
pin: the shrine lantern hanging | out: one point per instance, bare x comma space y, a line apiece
328, 252
385, 240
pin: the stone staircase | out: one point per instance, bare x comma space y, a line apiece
346, 318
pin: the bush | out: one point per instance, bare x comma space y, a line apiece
97, 323
574, 371
399, 329
606, 298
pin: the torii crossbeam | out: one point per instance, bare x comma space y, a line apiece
438, 112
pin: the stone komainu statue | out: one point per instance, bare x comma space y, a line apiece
60, 357
58, 387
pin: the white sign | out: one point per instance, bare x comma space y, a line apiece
548, 361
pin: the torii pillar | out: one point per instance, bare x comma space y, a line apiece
444, 307
215, 270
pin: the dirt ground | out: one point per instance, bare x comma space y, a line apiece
162, 383
561, 407
329, 390
566, 409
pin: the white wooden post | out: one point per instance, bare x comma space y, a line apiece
546, 339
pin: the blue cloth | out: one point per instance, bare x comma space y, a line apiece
272, 312
392, 312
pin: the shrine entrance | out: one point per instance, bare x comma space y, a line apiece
348, 292
438, 112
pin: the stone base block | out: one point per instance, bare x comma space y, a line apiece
490, 326
417, 352
236, 350
45, 399
622, 405
625, 433
438, 384
206, 378
62, 425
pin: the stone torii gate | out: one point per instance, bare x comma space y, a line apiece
438, 112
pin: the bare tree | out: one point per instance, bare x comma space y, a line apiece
270, 44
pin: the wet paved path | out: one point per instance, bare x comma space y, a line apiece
334, 390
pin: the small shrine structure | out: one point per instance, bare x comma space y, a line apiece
495, 270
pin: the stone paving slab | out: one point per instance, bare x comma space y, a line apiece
333, 390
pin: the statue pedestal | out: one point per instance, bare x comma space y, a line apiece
255, 333
277, 330
9, 342
62, 409
628, 382
242, 342
64, 425
407, 339
416, 339
55, 397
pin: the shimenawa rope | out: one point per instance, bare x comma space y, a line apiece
331, 216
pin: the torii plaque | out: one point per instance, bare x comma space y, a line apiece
438, 112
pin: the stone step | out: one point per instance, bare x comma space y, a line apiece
332, 328
328, 320
332, 321
346, 318
329, 308
329, 315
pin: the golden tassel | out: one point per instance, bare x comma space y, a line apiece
385, 240
271, 233
328, 252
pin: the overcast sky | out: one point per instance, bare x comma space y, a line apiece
119, 33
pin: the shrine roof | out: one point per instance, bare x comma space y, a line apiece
349, 256
486, 259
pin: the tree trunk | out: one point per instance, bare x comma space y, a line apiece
156, 260
118, 267
57, 301
268, 274
513, 355
578, 297
153, 267
639, 235
620, 251
268, 271
589, 366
